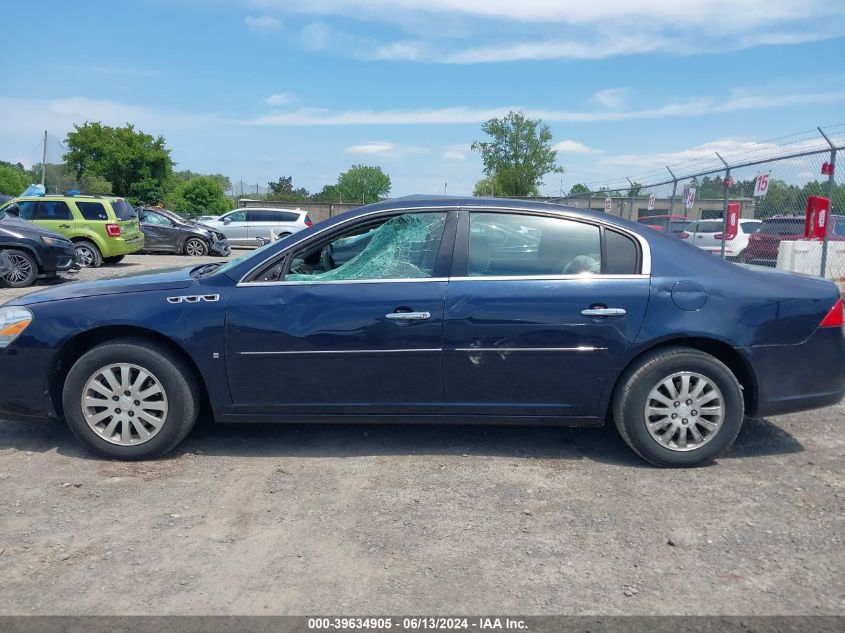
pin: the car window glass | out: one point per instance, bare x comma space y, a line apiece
621, 254
535, 245
285, 216
786, 226
708, 226
749, 227
260, 216
123, 210
237, 216
151, 217
402, 247
25, 209
52, 210
92, 210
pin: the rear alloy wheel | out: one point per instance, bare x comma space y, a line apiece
195, 247
130, 399
24, 270
88, 255
678, 407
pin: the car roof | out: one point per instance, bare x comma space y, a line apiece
61, 196
266, 209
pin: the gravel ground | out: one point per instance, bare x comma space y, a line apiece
265, 519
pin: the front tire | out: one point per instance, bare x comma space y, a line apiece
678, 407
24, 270
113, 260
130, 399
195, 247
88, 255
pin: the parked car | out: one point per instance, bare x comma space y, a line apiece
104, 229
707, 235
670, 224
432, 321
165, 231
243, 226
30, 252
764, 243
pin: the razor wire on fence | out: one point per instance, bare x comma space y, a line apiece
770, 181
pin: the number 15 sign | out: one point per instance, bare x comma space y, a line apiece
761, 185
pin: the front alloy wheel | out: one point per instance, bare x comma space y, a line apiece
125, 404
22, 270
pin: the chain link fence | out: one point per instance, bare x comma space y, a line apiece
747, 205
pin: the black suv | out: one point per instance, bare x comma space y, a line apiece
30, 252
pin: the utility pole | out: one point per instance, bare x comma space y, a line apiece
44, 160
725, 205
445, 188
674, 191
830, 188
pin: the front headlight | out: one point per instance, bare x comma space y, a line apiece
13, 321
54, 241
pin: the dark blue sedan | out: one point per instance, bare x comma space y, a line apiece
433, 310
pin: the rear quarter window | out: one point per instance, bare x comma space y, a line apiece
92, 211
621, 256
782, 227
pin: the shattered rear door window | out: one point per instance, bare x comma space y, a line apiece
403, 247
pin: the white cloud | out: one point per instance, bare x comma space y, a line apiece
262, 23
382, 148
699, 106
611, 98
488, 31
453, 154
574, 147
280, 98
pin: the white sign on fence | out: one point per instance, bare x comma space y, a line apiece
761, 186
607, 204
651, 201
689, 197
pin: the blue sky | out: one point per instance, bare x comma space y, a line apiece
258, 89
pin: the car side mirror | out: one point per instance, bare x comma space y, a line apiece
227, 220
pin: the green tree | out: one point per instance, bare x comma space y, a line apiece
187, 174
364, 183
13, 180
329, 193
487, 187
137, 165
634, 190
92, 183
202, 194
579, 190
282, 189
518, 154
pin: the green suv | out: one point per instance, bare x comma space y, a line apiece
103, 229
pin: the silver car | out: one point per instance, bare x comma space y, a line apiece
707, 235
243, 227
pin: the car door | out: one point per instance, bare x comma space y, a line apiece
160, 234
234, 226
260, 223
540, 335
54, 215
306, 334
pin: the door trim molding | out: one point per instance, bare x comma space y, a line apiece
343, 351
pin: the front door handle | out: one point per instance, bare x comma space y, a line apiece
604, 312
64, 226
408, 316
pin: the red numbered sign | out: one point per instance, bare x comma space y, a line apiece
689, 197
815, 223
761, 186
733, 221
607, 204
651, 201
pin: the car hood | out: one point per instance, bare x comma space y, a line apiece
172, 279
14, 227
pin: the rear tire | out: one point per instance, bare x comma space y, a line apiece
195, 247
678, 407
146, 407
24, 270
113, 260
88, 255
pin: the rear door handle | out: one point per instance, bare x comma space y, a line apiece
604, 312
408, 316
64, 226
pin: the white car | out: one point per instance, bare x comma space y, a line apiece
707, 235
207, 218
243, 227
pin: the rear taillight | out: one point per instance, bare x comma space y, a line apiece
309, 223
113, 230
834, 318
684, 235
718, 236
